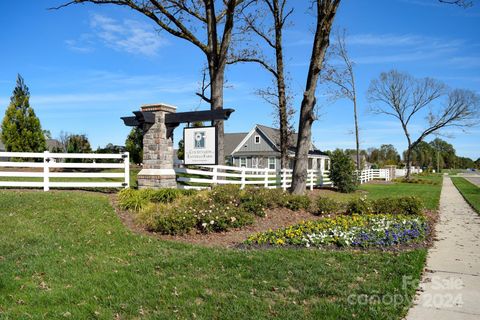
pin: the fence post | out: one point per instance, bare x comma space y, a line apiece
126, 161
243, 179
266, 178
215, 175
46, 169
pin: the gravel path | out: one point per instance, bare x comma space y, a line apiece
450, 288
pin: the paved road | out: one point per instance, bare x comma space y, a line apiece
450, 288
472, 176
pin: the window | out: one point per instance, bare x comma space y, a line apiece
254, 162
257, 139
243, 162
272, 163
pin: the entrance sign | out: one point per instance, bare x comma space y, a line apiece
200, 146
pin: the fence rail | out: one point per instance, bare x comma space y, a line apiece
201, 177
49, 161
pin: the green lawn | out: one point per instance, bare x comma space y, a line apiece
65, 254
429, 193
469, 191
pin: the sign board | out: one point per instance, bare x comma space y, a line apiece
200, 145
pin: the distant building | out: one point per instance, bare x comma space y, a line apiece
260, 148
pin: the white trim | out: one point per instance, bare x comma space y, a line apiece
241, 144
255, 139
269, 138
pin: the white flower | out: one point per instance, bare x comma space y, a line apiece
212, 222
204, 224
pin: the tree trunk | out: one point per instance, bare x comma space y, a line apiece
357, 139
325, 14
216, 102
282, 96
409, 156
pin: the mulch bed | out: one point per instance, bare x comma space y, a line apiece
274, 219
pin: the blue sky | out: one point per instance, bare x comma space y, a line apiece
86, 66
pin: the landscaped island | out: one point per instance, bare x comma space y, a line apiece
68, 255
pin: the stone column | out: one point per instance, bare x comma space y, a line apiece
157, 171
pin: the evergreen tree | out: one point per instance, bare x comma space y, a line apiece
21, 129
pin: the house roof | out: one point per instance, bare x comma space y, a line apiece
232, 140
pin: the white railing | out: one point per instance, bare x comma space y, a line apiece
374, 174
403, 172
202, 177
53, 168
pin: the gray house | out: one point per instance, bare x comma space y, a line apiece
260, 148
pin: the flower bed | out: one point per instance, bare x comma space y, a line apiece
378, 230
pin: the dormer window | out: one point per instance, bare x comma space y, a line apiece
257, 139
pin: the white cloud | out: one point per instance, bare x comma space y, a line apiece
127, 35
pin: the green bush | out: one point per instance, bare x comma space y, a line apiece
187, 213
167, 219
228, 194
342, 171
403, 205
132, 199
296, 202
218, 219
359, 206
253, 201
273, 197
325, 205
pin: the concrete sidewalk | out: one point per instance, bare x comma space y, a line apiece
450, 288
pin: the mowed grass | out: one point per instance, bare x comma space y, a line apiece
66, 254
469, 191
428, 193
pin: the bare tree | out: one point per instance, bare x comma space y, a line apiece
325, 13
402, 96
271, 35
193, 21
342, 77
460, 3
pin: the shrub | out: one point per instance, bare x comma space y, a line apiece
132, 199
167, 219
342, 171
403, 205
253, 201
359, 206
296, 202
325, 205
198, 211
272, 197
228, 194
219, 219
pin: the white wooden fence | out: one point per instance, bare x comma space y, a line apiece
202, 177
403, 172
374, 174
52, 166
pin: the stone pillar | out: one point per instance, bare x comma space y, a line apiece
157, 171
